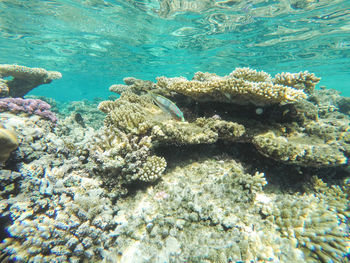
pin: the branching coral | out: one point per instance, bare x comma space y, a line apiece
121, 159
291, 133
137, 115
28, 106
24, 79
303, 80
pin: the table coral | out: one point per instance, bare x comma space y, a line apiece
23, 80
242, 86
299, 149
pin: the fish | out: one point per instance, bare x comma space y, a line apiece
167, 106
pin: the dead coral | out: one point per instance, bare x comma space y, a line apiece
24, 79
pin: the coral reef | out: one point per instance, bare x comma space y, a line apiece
298, 149
292, 133
57, 209
137, 115
57, 216
23, 80
28, 106
260, 180
8, 142
123, 153
214, 211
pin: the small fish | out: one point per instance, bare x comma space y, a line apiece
167, 106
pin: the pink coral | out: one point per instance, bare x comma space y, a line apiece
29, 106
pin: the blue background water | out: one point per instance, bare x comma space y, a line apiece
96, 43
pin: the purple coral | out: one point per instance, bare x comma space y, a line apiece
29, 106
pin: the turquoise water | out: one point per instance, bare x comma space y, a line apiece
96, 43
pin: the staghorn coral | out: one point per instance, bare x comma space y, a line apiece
8, 142
24, 79
243, 86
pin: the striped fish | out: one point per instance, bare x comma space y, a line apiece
167, 106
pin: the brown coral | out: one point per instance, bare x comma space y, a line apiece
8, 142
